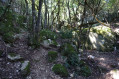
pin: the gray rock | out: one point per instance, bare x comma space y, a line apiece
14, 57
102, 39
25, 68
48, 43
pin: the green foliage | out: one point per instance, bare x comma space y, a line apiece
72, 61
33, 42
60, 70
85, 71
67, 34
8, 37
21, 21
52, 55
106, 34
67, 49
47, 34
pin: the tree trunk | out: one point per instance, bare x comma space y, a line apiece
45, 21
39, 14
33, 16
27, 14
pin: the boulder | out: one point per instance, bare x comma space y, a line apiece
101, 38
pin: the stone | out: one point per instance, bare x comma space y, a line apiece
25, 68
48, 43
14, 57
101, 38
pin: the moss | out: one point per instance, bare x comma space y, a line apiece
12, 54
60, 70
52, 55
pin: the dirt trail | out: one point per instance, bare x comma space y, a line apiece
40, 68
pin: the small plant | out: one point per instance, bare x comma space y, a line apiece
67, 49
72, 61
33, 42
52, 55
60, 70
8, 37
85, 71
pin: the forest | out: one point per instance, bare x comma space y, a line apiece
59, 39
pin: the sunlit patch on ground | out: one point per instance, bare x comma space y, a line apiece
114, 74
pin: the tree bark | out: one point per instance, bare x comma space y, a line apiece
45, 21
33, 16
39, 16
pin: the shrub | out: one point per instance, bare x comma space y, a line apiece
8, 37
67, 49
60, 70
72, 61
47, 34
66, 34
33, 42
85, 71
52, 55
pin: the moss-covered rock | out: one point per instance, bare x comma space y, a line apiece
102, 38
52, 55
48, 43
25, 68
60, 70
14, 57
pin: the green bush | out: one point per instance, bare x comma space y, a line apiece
85, 71
67, 49
60, 70
52, 55
21, 21
66, 34
33, 42
8, 37
47, 34
72, 61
